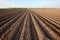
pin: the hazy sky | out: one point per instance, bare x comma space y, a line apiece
30, 3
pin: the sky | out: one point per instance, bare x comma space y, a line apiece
30, 3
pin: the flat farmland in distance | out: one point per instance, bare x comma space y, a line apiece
50, 12
29, 24
8, 11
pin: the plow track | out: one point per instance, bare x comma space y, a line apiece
28, 25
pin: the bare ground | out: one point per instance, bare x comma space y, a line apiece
29, 24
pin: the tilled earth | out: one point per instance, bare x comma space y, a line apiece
28, 25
